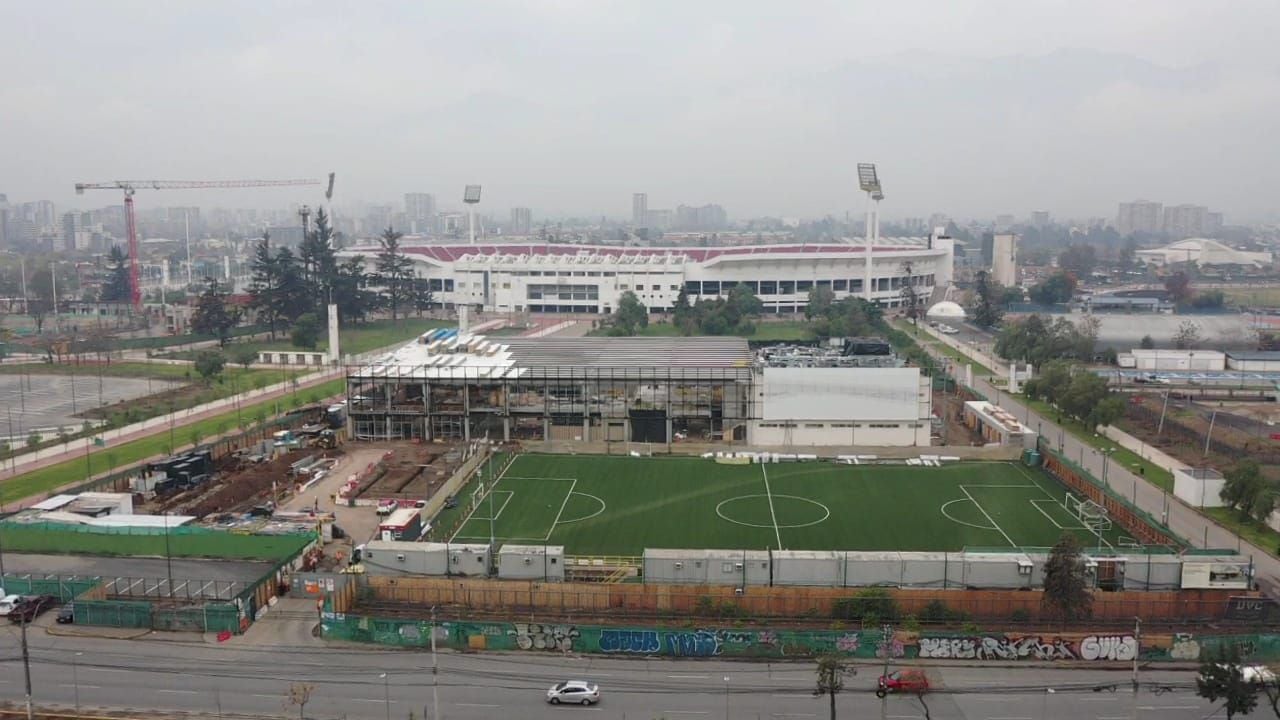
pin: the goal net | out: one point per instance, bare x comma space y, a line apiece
1091, 515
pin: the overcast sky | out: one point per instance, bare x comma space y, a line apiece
969, 107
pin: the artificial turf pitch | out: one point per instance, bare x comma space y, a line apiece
596, 505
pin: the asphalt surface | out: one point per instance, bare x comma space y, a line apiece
242, 677
1182, 519
51, 401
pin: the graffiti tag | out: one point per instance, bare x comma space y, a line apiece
948, 648
848, 643
701, 643
1185, 647
1109, 647
531, 636
629, 641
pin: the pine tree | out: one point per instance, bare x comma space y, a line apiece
393, 271
319, 263
212, 316
293, 295
355, 301
265, 284
116, 288
988, 311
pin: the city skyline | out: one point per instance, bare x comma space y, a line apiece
568, 107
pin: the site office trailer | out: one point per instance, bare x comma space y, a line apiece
403, 524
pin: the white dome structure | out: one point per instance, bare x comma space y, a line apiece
945, 310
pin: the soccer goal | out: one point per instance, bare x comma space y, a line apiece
1091, 515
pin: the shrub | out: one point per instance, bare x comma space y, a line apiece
971, 628
1019, 615
911, 623
872, 601
704, 606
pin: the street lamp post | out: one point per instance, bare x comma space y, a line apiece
726, 697
435, 670
168, 555
386, 693
75, 679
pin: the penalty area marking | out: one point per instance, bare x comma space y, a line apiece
719, 511
584, 517
957, 520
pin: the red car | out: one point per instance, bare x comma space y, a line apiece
913, 682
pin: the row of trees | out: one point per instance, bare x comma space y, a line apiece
730, 315
1035, 339
1076, 391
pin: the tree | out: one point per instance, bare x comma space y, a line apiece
394, 271
988, 311
212, 316
116, 286
1147, 343
1066, 587
1222, 678
741, 305
319, 263
1079, 258
1178, 285
351, 291
1248, 491
421, 294
209, 363
300, 695
682, 314
265, 283
630, 316
821, 298
1086, 332
1188, 336
306, 331
831, 674
1057, 288
244, 355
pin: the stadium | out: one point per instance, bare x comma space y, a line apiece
563, 278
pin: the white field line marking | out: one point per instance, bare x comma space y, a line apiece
986, 514
777, 532
1036, 504
947, 515
1050, 498
525, 477
492, 488
503, 506
562, 507
603, 507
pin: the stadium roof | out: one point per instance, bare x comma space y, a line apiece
447, 354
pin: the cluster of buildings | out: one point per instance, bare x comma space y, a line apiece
684, 217
1179, 221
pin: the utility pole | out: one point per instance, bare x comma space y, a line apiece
1137, 643
435, 670
26, 668
886, 641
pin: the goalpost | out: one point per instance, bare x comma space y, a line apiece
1091, 515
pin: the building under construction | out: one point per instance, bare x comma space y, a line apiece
447, 386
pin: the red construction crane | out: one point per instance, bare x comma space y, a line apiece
131, 186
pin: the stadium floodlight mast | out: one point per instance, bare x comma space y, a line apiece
869, 183
471, 196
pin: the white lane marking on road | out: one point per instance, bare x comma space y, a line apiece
1008, 718
786, 715
81, 686
372, 700
178, 692
689, 677
1113, 717
490, 705
686, 712
264, 695
102, 670
1168, 707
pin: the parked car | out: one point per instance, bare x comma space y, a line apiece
67, 614
31, 606
386, 506
577, 692
8, 603
902, 681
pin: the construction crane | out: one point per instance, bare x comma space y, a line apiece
129, 187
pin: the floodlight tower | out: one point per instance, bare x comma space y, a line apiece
471, 196
869, 182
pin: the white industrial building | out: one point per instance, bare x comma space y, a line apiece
1256, 361
1004, 259
1172, 360
1203, 252
563, 278
1199, 487
842, 406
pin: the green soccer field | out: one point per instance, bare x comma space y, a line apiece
620, 505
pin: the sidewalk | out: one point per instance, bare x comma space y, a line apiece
1197, 529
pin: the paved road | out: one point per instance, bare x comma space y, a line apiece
1182, 519
349, 683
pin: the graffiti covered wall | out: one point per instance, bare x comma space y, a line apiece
752, 643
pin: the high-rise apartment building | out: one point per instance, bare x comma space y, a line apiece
705, 217
1004, 259
1139, 216
1039, 219
420, 212
640, 209
1184, 221
521, 220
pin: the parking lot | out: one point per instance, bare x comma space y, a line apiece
47, 402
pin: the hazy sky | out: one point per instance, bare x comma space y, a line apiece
969, 107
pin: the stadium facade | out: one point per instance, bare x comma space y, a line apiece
451, 385
563, 278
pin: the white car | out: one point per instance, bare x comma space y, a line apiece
574, 692
8, 603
